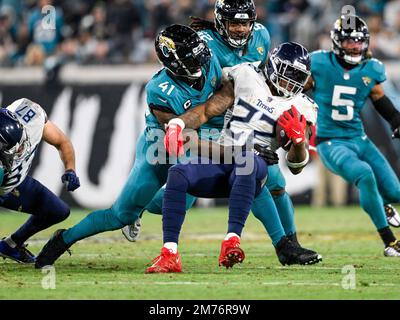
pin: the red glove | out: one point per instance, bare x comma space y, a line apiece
294, 127
173, 140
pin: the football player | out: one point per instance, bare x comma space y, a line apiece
23, 125
189, 77
236, 38
262, 98
240, 39
342, 80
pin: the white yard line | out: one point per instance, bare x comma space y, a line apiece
213, 283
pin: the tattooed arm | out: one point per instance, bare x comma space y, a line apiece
214, 106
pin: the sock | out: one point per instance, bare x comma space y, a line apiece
10, 242
155, 206
171, 246
174, 205
230, 235
96, 222
264, 209
387, 236
285, 209
243, 190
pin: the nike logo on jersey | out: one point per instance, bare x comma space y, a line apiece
162, 100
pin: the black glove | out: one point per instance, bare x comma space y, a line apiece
199, 24
269, 156
396, 133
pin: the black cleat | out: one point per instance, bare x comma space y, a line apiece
293, 238
289, 253
52, 250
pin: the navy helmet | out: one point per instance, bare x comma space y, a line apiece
13, 138
181, 50
288, 68
353, 28
241, 11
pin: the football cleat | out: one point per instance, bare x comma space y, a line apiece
131, 232
166, 262
289, 253
52, 250
293, 238
392, 250
231, 253
19, 254
392, 216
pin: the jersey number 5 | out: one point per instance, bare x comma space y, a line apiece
337, 101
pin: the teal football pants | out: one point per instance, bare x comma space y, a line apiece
360, 162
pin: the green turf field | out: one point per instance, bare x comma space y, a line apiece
108, 267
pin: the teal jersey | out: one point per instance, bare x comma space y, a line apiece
256, 52
257, 47
341, 94
167, 94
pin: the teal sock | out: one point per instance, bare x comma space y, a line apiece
285, 209
264, 209
94, 223
155, 205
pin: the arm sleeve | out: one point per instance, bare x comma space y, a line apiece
387, 110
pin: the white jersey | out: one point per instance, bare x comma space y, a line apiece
256, 111
33, 118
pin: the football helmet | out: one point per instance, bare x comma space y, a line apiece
288, 68
183, 52
227, 11
14, 141
351, 31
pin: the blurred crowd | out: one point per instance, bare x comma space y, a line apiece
122, 31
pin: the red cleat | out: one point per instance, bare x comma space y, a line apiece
231, 253
166, 262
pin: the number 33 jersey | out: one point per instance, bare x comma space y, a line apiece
256, 111
33, 118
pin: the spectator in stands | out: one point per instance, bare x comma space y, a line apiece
45, 34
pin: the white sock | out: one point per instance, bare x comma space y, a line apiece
171, 246
230, 235
10, 242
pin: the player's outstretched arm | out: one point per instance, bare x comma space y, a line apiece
195, 117
54, 136
214, 106
386, 109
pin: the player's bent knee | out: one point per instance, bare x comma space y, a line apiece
61, 213
178, 177
277, 193
366, 179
